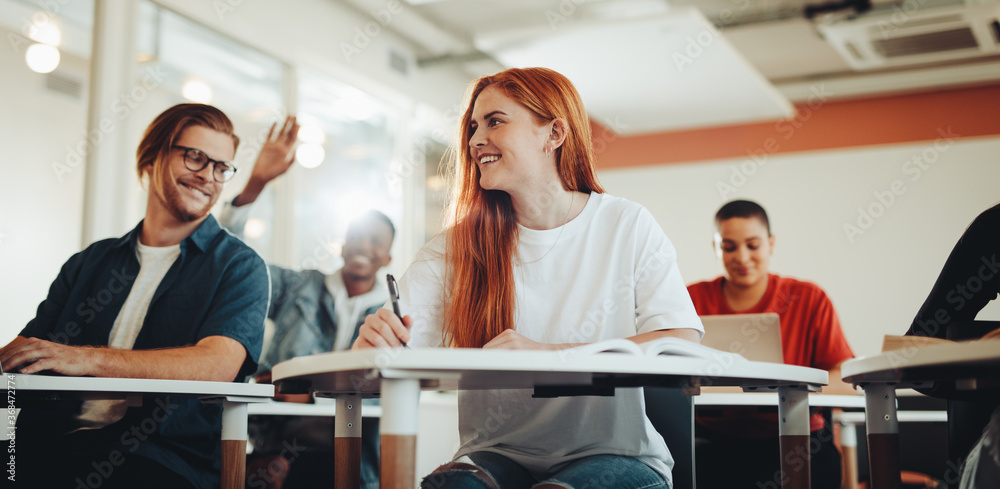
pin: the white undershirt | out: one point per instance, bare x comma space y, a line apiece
349, 309
153, 265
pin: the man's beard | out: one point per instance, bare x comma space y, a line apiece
173, 204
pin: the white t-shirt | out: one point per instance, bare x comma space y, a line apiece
611, 273
350, 309
153, 265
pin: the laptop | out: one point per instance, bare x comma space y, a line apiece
755, 336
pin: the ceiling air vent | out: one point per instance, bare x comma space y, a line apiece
64, 84
931, 42
923, 35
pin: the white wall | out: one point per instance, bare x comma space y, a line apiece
878, 279
40, 209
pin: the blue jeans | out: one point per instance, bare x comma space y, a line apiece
594, 472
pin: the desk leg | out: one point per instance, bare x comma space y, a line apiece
883, 436
347, 443
849, 450
398, 430
234, 444
793, 432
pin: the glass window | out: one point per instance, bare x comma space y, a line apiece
197, 64
347, 145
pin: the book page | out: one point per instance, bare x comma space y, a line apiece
615, 345
682, 347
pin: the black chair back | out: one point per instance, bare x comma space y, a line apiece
672, 414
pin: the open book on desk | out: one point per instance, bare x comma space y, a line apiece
659, 346
896, 342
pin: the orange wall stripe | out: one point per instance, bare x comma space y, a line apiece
818, 125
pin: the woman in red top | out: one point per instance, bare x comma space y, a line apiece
811, 336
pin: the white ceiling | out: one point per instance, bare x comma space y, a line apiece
614, 50
686, 66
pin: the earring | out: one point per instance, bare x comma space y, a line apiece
548, 152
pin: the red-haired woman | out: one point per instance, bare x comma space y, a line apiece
538, 257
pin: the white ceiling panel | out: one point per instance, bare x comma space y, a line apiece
657, 74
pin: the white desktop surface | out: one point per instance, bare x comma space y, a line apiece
95, 386
771, 399
937, 360
470, 368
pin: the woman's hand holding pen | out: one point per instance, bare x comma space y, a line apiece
383, 330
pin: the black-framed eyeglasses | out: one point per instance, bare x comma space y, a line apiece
196, 160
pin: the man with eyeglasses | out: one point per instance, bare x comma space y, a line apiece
313, 313
176, 298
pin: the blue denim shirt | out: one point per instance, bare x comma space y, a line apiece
218, 286
304, 315
305, 323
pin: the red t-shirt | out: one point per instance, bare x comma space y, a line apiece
811, 335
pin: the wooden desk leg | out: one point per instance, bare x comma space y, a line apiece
398, 431
883, 436
793, 436
849, 451
234, 445
347, 443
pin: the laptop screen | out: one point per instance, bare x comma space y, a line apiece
755, 336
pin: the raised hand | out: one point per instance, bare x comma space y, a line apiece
275, 158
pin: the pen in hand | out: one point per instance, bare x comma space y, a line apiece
394, 298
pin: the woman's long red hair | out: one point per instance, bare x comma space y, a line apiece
483, 232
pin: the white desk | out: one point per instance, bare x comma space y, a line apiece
233, 396
321, 407
771, 399
966, 366
399, 374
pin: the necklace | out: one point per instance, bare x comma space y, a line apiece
565, 221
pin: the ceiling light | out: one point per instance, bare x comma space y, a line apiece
197, 91
254, 228
46, 33
311, 133
42, 58
310, 155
